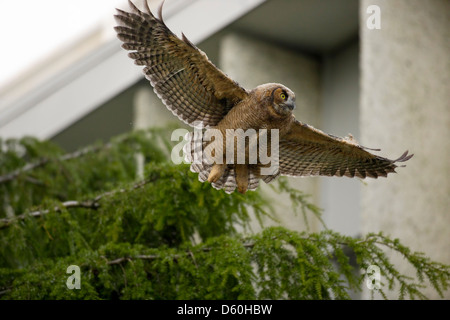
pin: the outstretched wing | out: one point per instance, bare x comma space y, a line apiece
306, 151
181, 74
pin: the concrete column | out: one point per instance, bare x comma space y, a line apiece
252, 62
405, 100
339, 196
149, 111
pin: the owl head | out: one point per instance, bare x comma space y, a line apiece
277, 97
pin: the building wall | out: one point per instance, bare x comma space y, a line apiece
339, 115
110, 119
405, 99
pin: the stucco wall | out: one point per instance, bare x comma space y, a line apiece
339, 115
405, 104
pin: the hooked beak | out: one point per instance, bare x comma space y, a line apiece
290, 104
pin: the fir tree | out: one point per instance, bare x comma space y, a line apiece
166, 235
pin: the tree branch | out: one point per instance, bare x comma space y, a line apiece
89, 204
42, 162
155, 256
67, 204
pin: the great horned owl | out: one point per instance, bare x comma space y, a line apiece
197, 91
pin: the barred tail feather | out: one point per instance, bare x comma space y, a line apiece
193, 151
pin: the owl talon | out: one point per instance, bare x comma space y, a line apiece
216, 172
242, 189
242, 178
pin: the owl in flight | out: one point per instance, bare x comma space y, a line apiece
197, 91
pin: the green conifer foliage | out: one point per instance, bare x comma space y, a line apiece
166, 235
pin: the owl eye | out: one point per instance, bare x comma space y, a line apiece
283, 96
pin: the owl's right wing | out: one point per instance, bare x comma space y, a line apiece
306, 151
181, 74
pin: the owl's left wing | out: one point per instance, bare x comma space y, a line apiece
182, 76
306, 151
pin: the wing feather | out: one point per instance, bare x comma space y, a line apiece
306, 151
181, 74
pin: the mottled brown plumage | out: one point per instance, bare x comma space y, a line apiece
197, 91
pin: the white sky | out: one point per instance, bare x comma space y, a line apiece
31, 29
